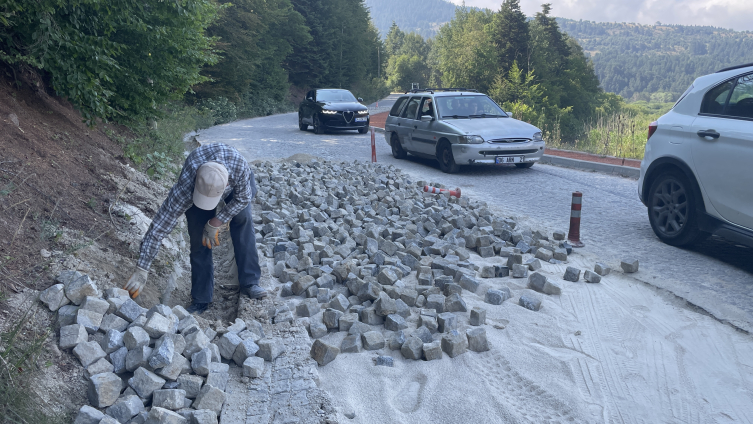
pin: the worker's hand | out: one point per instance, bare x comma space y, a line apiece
211, 237
137, 282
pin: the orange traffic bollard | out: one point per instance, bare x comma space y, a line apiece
573, 236
455, 192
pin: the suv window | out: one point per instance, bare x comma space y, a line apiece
741, 101
410, 111
716, 98
395, 111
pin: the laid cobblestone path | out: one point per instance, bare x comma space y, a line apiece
717, 276
286, 392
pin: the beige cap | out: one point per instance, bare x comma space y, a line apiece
211, 180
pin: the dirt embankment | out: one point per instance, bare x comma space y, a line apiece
69, 200
55, 172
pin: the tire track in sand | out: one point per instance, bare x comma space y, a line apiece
631, 357
522, 397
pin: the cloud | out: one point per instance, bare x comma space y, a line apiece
734, 14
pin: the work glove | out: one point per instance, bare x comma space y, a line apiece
211, 237
137, 282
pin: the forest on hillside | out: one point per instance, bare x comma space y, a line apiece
125, 61
657, 62
424, 17
639, 62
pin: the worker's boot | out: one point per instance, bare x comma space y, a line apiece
197, 308
254, 291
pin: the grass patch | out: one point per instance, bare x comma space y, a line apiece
621, 135
20, 348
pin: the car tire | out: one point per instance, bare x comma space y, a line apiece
318, 128
446, 160
301, 125
363, 130
524, 165
672, 210
397, 149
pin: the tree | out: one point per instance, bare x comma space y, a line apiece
407, 62
311, 62
467, 55
344, 47
255, 38
394, 41
510, 35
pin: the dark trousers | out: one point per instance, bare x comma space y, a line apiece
244, 243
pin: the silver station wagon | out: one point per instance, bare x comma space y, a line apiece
457, 127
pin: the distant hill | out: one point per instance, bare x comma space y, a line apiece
637, 61
424, 17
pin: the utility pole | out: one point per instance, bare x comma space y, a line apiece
379, 63
342, 35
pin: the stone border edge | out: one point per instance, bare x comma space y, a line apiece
623, 171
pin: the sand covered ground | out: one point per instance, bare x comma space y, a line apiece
618, 351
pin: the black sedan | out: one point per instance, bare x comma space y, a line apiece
333, 109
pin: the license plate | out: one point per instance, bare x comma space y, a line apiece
361, 119
510, 159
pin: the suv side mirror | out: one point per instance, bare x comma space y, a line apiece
426, 118
360, 99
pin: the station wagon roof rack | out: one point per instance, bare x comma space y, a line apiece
432, 90
732, 68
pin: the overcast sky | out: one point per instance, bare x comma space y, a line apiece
735, 14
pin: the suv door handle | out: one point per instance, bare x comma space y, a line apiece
708, 133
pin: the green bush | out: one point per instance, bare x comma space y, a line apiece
111, 58
221, 109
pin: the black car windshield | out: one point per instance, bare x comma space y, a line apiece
335, 96
459, 107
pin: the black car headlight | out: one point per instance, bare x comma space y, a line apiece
329, 112
363, 112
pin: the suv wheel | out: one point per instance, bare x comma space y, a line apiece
397, 148
672, 210
318, 128
301, 125
446, 160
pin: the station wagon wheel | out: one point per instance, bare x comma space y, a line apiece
672, 210
318, 129
397, 148
446, 159
301, 125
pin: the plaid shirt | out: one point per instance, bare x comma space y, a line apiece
240, 182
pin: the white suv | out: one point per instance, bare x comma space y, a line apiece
697, 173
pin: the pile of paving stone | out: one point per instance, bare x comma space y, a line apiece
150, 366
346, 238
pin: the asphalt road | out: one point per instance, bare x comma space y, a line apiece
716, 277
